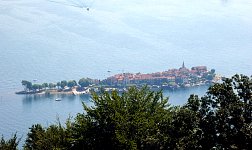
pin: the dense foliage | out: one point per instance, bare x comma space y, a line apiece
34, 87
143, 119
10, 144
84, 82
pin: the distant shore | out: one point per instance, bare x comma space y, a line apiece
88, 90
55, 91
171, 79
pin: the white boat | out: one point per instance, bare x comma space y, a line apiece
58, 99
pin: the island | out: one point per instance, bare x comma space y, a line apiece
170, 79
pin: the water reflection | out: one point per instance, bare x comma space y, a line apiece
29, 99
176, 97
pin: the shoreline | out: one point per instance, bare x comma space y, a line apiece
171, 79
89, 90
50, 92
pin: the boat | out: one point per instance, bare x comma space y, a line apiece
58, 99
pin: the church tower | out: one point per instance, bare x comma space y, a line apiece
183, 65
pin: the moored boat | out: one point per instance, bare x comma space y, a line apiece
58, 99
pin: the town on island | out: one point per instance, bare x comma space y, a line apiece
171, 79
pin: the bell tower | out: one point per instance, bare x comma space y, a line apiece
183, 65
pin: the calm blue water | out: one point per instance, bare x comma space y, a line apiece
52, 41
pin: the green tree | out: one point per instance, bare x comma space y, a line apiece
52, 85
27, 85
184, 130
209, 77
10, 144
36, 87
133, 120
71, 83
54, 137
84, 82
63, 84
58, 85
224, 115
34, 137
45, 85
212, 71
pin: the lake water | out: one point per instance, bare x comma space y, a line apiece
58, 40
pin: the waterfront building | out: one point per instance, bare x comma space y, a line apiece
172, 78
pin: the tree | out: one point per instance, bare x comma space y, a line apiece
58, 85
225, 115
45, 85
34, 137
52, 85
10, 144
63, 84
71, 83
184, 130
133, 120
53, 137
209, 77
84, 82
212, 71
36, 87
27, 85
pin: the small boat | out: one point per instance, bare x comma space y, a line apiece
58, 99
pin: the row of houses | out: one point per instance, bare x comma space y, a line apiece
170, 78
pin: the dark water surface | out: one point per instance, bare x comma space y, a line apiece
57, 41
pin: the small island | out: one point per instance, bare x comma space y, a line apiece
171, 79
